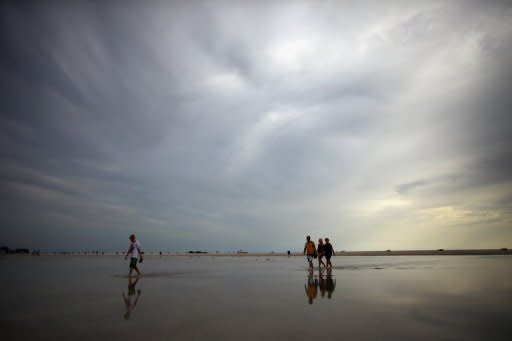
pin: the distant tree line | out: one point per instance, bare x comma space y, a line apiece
6, 250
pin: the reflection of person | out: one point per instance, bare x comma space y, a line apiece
330, 283
131, 300
321, 283
311, 287
135, 254
320, 249
309, 251
328, 252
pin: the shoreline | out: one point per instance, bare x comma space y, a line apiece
439, 252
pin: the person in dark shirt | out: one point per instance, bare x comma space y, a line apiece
328, 252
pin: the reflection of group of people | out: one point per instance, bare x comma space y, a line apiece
324, 284
324, 250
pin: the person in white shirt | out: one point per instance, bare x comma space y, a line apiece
135, 254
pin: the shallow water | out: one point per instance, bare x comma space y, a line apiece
227, 298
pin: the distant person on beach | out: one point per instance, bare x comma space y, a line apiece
135, 255
320, 252
310, 251
328, 252
131, 300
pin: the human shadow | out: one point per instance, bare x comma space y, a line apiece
131, 300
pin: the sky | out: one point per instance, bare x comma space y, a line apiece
234, 125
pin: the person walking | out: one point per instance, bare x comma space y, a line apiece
135, 254
309, 251
328, 252
320, 253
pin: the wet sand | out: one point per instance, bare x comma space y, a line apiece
250, 298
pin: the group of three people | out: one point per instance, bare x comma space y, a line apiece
323, 250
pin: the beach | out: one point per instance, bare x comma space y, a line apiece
438, 252
249, 297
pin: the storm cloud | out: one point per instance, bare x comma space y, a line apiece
228, 125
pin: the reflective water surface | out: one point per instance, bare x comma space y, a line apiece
227, 298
